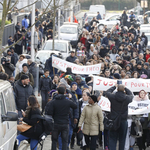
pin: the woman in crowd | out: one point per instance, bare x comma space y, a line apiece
30, 118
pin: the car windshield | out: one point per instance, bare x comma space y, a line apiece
58, 46
68, 30
89, 18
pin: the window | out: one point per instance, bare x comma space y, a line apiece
3, 112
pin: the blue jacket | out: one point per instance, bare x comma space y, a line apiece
98, 17
105, 41
82, 85
25, 23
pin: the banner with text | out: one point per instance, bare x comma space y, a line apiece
76, 69
105, 105
135, 85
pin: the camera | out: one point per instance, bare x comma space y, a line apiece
119, 82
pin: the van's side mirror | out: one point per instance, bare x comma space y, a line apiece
10, 116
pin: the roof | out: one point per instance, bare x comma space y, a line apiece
56, 40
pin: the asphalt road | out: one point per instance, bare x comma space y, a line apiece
47, 143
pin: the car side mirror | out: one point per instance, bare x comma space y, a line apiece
10, 116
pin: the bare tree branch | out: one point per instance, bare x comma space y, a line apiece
29, 28
9, 2
27, 5
1, 3
13, 5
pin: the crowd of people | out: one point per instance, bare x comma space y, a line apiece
69, 98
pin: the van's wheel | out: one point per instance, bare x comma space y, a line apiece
100, 27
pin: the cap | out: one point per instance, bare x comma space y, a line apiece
94, 98
117, 75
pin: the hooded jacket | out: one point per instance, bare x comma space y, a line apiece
59, 108
117, 100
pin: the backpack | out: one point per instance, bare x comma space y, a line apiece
47, 121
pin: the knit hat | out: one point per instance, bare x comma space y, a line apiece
146, 63
25, 64
23, 77
87, 79
128, 65
116, 75
69, 77
73, 83
143, 76
139, 63
94, 98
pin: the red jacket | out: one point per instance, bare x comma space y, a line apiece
147, 57
82, 40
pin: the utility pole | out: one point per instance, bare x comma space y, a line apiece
32, 32
59, 21
71, 16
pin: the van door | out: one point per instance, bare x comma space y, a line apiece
11, 126
2, 124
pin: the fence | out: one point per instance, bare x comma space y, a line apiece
8, 30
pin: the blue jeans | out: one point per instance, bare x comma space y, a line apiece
120, 135
33, 142
69, 136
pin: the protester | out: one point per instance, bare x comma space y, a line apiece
119, 105
30, 118
25, 22
23, 90
59, 108
91, 117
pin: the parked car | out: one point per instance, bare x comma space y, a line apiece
88, 18
110, 22
70, 32
145, 28
9, 117
98, 8
148, 37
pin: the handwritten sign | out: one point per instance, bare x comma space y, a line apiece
135, 85
76, 69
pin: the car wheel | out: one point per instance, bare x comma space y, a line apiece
100, 27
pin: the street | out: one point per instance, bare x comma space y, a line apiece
47, 142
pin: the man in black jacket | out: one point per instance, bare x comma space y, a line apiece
59, 108
119, 100
23, 90
72, 57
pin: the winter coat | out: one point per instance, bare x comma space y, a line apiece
18, 76
22, 93
59, 108
141, 71
82, 85
37, 127
25, 23
17, 27
14, 58
19, 66
116, 100
92, 117
33, 70
9, 68
71, 59
45, 84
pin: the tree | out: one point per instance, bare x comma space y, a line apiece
6, 5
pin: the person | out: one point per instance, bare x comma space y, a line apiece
30, 118
59, 108
25, 71
91, 116
45, 85
124, 18
10, 41
19, 64
98, 17
7, 65
72, 57
17, 27
132, 16
106, 39
118, 100
18, 46
25, 22
23, 90
14, 56
32, 67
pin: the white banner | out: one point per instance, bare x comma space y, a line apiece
76, 69
106, 106
135, 85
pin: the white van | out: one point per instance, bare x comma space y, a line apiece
8, 117
98, 8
